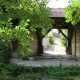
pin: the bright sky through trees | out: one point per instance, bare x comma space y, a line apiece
58, 3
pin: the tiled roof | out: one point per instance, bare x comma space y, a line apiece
57, 12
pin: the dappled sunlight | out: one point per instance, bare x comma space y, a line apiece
54, 53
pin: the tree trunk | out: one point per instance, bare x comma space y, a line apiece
14, 49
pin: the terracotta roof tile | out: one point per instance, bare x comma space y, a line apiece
57, 12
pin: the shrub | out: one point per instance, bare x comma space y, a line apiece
51, 38
4, 52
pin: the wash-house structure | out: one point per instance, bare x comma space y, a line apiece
73, 38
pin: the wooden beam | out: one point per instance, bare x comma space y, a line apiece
71, 32
40, 46
63, 34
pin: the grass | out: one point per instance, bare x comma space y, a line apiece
29, 76
24, 77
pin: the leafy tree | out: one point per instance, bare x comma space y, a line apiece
19, 17
72, 12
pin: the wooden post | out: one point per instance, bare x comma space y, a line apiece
40, 46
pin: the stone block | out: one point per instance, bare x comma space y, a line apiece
15, 55
34, 43
70, 63
77, 44
15, 60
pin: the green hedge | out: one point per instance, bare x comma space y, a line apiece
16, 70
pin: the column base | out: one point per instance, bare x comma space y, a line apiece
68, 50
40, 50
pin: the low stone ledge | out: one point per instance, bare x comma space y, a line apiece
70, 63
15, 60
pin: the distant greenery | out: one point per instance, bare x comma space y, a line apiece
51, 38
63, 40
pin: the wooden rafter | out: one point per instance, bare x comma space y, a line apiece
63, 34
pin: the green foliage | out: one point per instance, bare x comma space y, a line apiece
72, 12
22, 77
19, 17
51, 38
38, 72
63, 40
4, 52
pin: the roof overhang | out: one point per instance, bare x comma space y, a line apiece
58, 16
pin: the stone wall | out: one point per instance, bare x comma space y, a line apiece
45, 43
34, 43
73, 43
77, 43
